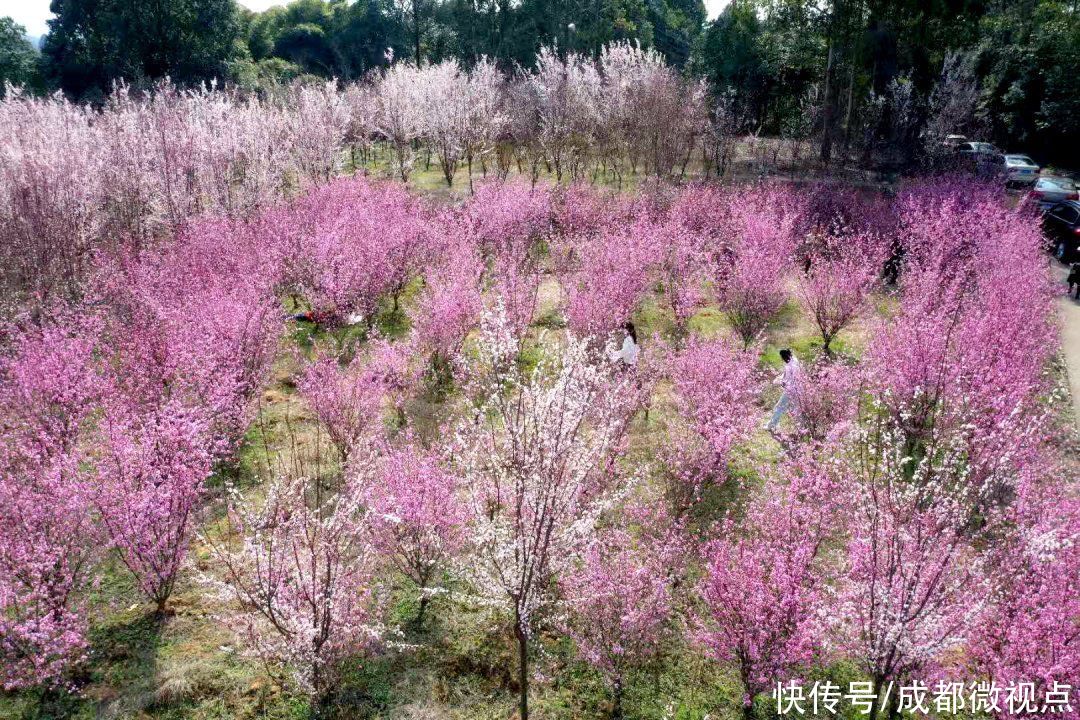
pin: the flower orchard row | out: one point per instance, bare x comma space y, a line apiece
917, 523
75, 180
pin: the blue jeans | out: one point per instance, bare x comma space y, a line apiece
779, 410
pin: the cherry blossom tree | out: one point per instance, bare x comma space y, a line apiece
535, 461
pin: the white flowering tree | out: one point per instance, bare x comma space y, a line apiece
536, 461
298, 568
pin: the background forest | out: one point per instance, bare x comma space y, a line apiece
848, 72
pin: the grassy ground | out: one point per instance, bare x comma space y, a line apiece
751, 159
460, 663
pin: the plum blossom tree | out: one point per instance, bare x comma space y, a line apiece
48, 541
349, 400
350, 243
716, 387
486, 116
416, 519
535, 461
842, 274
150, 481
47, 547
752, 267
620, 597
400, 115
1029, 632
507, 222
764, 584
300, 567
954, 432
827, 402
915, 582
612, 276
567, 93
451, 302
444, 113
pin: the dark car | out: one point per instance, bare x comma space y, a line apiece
982, 158
1062, 226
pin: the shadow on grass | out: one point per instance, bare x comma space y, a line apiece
119, 677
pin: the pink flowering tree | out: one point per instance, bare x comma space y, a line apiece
415, 517
151, 475
450, 304
1029, 632
535, 461
753, 262
915, 583
47, 547
299, 566
764, 587
613, 274
827, 401
843, 272
620, 597
716, 387
48, 541
349, 243
349, 400
507, 222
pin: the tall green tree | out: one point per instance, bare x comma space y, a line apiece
92, 43
18, 57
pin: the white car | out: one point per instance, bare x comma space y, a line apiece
1020, 169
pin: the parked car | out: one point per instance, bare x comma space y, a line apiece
1049, 191
953, 142
981, 158
975, 148
1061, 223
1020, 169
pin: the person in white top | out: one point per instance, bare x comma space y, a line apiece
627, 355
790, 380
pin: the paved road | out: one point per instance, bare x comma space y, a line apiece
1069, 313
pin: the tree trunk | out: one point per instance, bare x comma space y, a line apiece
826, 109
878, 680
416, 30
423, 608
847, 113
617, 691
748, 710
523, 673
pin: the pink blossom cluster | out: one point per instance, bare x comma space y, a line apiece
117, 409
914, 522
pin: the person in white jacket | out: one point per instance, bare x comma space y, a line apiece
627, 355
789, 380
